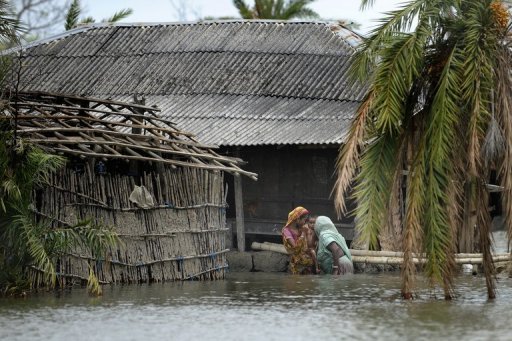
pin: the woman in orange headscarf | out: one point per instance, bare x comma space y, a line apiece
295, 241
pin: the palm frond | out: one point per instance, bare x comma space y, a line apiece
398, 59
494, 142
377, 167
454, 216
243, 9
31, 234
87, 20
415, 208
503, 99
348, 158
9, 25
38, 243
72, 15
118, 16
365, 4
41, 164
484, 225
298, 9
478, 82
9, 190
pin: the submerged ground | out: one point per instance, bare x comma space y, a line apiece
256, 306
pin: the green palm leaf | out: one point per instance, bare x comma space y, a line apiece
372, 190
439, 81
275, 9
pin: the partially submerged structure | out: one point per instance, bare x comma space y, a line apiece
274, 93
161, 189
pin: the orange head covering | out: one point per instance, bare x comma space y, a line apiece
296, 214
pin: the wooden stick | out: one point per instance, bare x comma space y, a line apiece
369, 253
150, 262
166, 161
386, 257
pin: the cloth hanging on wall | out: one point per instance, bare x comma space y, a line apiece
141, 197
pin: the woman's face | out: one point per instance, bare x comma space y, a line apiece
302, 220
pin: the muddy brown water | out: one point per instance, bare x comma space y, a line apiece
264, 306
267, 306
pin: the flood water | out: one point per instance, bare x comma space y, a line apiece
266, 306
263, 306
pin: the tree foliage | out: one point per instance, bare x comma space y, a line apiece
9, 25
275, 9
75, 10
437, 109
31, 243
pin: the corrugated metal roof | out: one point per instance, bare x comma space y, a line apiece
230, 83
232, 120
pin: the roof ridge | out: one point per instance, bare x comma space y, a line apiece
334, 27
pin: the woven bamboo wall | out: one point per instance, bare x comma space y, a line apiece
182, 237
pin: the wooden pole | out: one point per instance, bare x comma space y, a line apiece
239, 207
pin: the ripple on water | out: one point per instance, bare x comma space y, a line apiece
263, 306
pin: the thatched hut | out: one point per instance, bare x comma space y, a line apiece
159, 187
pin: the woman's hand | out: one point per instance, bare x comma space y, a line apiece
339, 269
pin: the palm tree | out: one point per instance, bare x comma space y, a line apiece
275, 9
73, 15
437, 110
29, 243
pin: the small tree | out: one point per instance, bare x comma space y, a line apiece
437, 108
29, 242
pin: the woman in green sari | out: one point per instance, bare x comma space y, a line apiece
333, 254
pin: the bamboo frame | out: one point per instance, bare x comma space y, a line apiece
107, 129
390, 257
183, 239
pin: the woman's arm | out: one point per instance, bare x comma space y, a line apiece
287, 234
291, 241
337, 253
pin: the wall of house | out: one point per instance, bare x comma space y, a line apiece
181, 235
288, 176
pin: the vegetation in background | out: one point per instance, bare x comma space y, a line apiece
437, 108
39, 17
31, 245
73, 16
275, 9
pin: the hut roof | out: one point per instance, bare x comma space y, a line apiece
230, 82
108, 129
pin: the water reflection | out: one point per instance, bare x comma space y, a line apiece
255, 306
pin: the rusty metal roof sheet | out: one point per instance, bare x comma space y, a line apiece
229, 82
